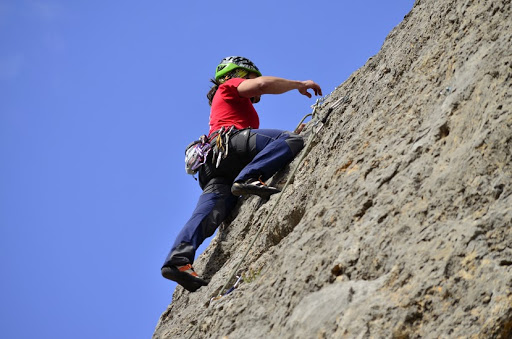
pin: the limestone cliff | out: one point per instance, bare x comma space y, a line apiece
398, 222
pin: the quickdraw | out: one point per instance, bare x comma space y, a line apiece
238, 281
221, 149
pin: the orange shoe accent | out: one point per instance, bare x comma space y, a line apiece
261, 181
188, 269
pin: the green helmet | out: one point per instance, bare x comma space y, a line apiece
231, 63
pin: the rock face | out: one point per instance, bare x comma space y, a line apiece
398, 221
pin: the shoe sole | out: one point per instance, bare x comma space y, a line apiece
244, 189
190, 283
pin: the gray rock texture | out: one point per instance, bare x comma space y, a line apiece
398, 221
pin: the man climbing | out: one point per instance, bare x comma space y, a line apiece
242, 158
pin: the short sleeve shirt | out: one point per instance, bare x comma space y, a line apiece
230, 109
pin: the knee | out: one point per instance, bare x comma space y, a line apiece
295, 142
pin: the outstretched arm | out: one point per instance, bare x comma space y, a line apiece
273, 85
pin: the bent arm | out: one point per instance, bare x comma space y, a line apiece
274, 85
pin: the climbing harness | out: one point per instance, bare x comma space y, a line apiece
197, 151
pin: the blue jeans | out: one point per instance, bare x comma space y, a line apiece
253, 153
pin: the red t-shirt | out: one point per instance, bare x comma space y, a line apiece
229, 108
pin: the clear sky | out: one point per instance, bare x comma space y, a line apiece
98, 100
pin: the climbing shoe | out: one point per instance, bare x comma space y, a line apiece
253, 186
185, 276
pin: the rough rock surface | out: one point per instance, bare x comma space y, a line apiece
398, 222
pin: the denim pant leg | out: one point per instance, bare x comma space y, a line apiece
214, 205
271, 150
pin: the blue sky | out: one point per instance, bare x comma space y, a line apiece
98, 100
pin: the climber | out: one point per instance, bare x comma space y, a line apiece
242, 158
